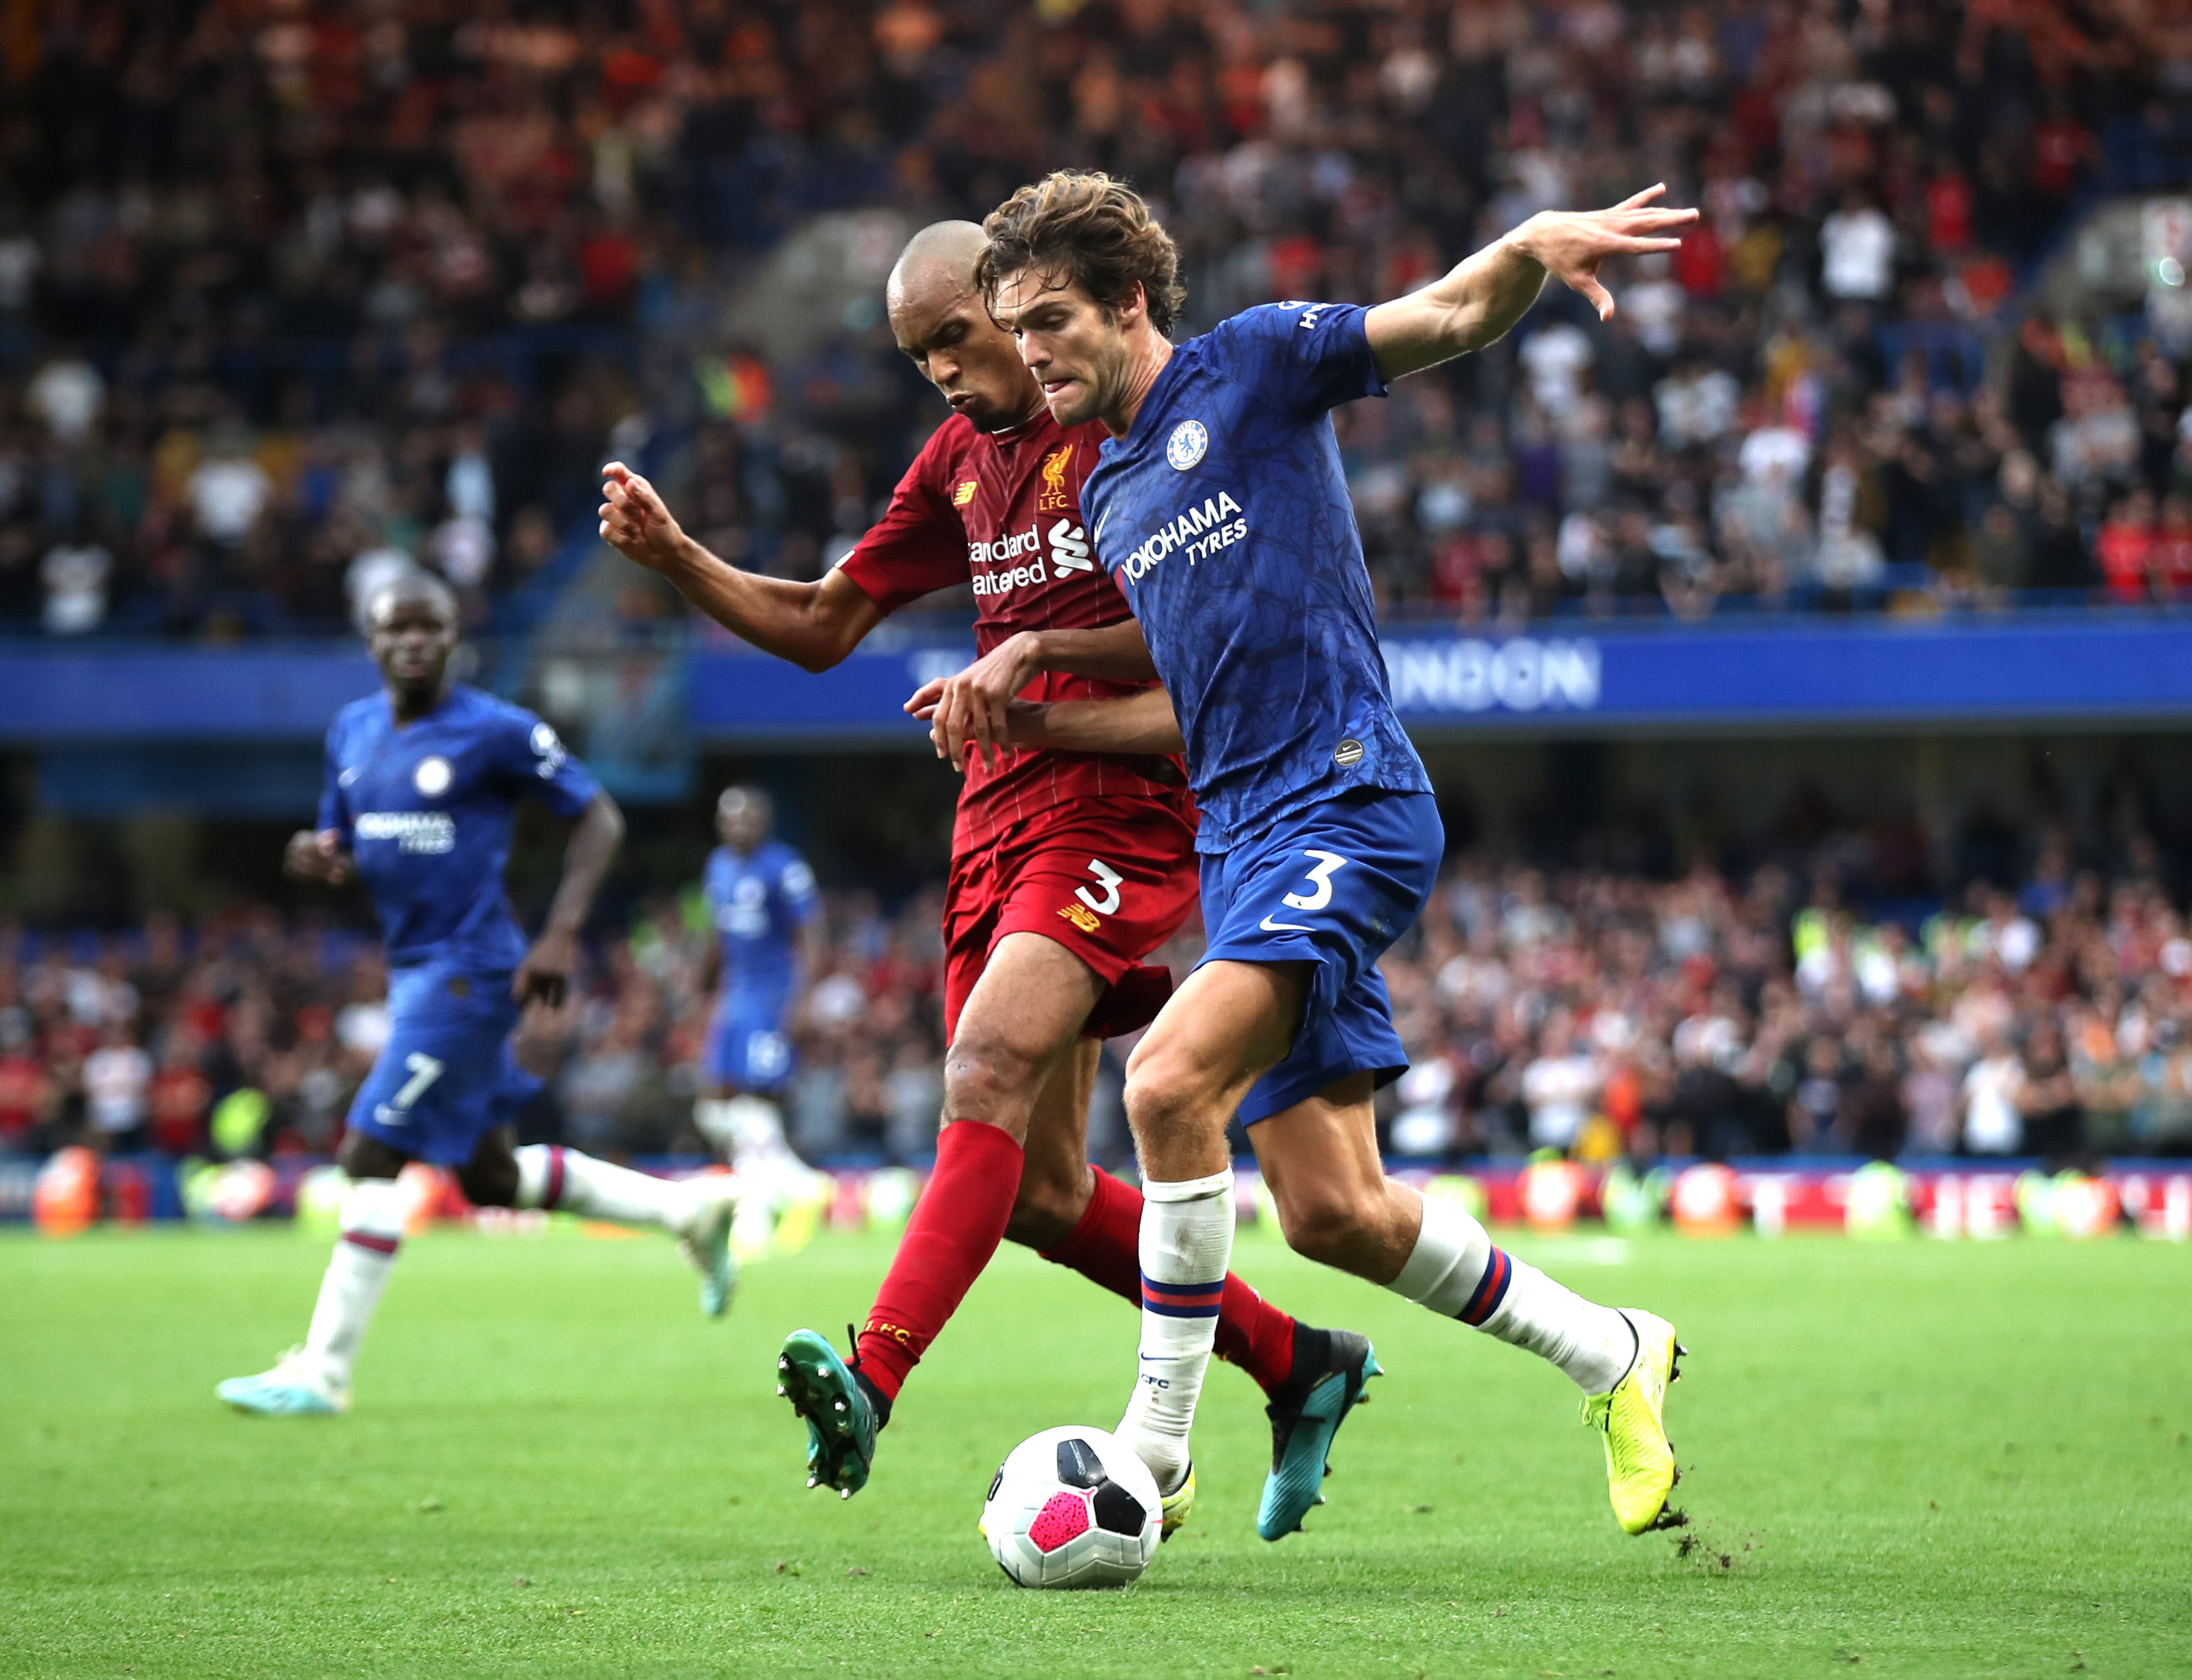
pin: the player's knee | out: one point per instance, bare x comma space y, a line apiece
361, 1156
1165, 1095
1323, 1221
489, 1184
989, 1078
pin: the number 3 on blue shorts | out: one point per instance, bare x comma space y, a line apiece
1324, 866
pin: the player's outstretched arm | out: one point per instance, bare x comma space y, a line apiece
969, 709
544, 976
1486, 294
1141, 723
813, 625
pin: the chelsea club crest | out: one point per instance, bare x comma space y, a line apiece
1186, 445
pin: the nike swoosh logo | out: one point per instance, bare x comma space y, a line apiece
1100, 524
1271, 926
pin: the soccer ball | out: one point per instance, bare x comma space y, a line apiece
1072, 1507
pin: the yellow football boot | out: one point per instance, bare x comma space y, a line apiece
1639, 1464
1177, 1504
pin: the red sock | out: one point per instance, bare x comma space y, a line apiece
956, 1227
1105, 1248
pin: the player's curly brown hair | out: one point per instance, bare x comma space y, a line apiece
1078, 227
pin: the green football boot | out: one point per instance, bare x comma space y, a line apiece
842, 1421
1331, 1375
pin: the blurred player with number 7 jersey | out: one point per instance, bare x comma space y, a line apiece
423, 781
1068, 869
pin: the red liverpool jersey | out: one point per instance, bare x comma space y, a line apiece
1002, 510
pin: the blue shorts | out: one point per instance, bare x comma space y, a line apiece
1333, 885
746, 1049
447, 1077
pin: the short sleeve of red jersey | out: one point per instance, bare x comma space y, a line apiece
920, 543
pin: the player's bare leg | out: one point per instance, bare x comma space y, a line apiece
1226, 1025
1021, 1025
1335, 1204
1057, 1183
1012, 1160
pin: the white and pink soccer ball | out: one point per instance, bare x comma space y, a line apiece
1072, 1507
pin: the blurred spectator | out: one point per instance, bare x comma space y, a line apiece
1856, 246
67, 394
1585, 1009
116, 1079
397, 298
1993, 1123
76, 577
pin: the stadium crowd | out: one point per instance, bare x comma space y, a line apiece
293, 293
1597, 1011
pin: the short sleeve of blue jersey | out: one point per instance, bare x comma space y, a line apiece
1303, 357
795, 888
536, 763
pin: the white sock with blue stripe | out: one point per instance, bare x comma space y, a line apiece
1455, 1271
1186, 1247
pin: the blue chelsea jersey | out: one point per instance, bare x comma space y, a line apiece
426, 809
1225, 517
759, 903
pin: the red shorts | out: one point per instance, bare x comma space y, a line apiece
1110, 882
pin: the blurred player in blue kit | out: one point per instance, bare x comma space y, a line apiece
422, 782
1220, 506
761, 903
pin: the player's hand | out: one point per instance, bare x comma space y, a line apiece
544, 976
635, 520
544, 1035
969, 710
1571, 244
922, 709
317, 857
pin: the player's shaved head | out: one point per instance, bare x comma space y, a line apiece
411, 630
938, 316
942, 255
745, 813
413, 589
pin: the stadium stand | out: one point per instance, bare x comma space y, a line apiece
1593, 1011
291, 295
288, 294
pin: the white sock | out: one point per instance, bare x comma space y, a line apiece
710, 1119
550, 1176
1455, 1271
757, 1132
371, 1217
1186, 1247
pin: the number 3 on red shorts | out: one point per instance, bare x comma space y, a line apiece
1106, 878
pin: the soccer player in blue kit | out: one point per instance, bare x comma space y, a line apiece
422, 780
761, 903
1220, 506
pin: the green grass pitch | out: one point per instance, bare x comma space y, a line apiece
1914, 1459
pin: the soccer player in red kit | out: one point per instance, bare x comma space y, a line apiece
1068, 869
